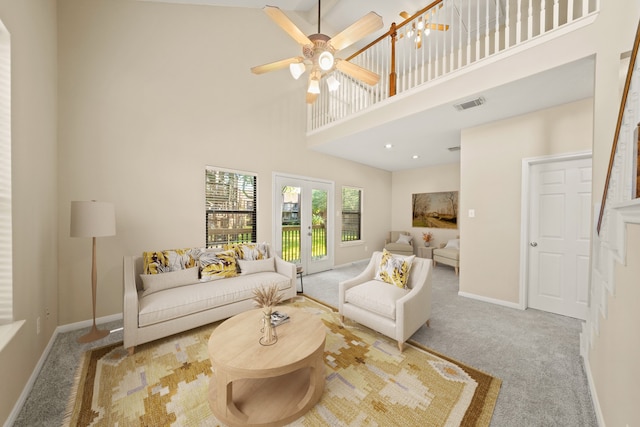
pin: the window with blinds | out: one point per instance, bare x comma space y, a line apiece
230, 212
6, 275
351, 214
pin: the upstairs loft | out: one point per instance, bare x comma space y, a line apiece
451, 55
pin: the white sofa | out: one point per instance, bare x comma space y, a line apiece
148, 317
388, 309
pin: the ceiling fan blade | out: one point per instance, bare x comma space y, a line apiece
359, 29
311, 97
357, 72
285, 23
273, 66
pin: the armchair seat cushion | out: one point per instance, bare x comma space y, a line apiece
447, 253
377, 297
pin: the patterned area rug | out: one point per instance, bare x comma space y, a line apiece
369, 383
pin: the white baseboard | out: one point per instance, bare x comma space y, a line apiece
36, 371
87, 323
594, 393
491, 300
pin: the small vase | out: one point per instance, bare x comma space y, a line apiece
427, 244
269, 336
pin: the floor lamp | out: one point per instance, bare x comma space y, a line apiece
93, 219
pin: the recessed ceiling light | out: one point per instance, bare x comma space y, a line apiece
415, 156
388, 146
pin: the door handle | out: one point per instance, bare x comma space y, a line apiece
534, 244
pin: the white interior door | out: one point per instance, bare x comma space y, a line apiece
303, 222
559, 236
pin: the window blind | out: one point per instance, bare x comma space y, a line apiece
230, 213
351, 214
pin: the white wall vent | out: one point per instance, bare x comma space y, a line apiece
470, 104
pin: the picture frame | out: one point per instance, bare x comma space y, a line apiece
435, 210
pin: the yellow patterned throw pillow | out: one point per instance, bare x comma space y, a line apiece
217, 265
169, 260
249, 251
394, 269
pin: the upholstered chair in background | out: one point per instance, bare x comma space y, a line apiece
399, 242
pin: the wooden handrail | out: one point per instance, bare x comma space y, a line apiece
394, 27
616, 135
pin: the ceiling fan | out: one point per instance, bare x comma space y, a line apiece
318, 52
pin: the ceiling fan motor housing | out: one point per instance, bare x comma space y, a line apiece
319, 45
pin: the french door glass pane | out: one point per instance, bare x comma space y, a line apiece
291, 224
319, 224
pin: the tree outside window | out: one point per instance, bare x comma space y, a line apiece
351, 214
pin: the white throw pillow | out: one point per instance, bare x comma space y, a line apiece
256, 266
394, 269
156, 282
404, 238
453, 244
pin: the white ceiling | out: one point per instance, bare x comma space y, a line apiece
429, 133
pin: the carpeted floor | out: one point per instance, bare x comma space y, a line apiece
535, 354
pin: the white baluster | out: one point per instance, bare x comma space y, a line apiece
543, 17
530, 20
452, 50
486, 27
570, 9
507, 29
477, 33
468, 33
459, 38
519, 22
496, 42
556, 13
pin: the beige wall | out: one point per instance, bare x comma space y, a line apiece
616, 350
425, 180
150, 93
491, 171
32, 26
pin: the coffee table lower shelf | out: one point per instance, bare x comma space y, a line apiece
267, 401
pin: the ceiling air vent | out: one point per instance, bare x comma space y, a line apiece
456, 148
470, 104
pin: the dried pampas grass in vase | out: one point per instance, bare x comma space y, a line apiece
267, 298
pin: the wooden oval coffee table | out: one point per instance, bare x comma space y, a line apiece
260, 385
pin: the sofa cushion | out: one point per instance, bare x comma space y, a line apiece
158, 282
169, 260
453, 244
447, 253
376, 297
256, 266
217, 265
185, 300
394, 269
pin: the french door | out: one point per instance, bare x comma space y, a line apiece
303, 223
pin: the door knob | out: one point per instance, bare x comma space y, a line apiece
534, 244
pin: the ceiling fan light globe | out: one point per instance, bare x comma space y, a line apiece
333, 84
314, 87
326, 61
296, 70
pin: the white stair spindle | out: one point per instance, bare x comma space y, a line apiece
519, 22
543, 11
556, 13
486, 29
507, 27
529, 19
477, 33
496, 40
468, 33
570, 9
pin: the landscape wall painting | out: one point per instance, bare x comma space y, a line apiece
435, 210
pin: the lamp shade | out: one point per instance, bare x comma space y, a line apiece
92, 219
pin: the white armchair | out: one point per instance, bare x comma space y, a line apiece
385, 308
399, 242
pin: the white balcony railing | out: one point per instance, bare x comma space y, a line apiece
440, 39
